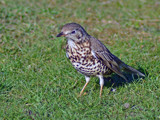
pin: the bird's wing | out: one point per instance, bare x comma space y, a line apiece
99, 51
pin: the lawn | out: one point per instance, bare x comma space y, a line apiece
37, 81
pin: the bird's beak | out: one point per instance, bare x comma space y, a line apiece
60, 34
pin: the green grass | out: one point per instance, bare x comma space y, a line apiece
38, 82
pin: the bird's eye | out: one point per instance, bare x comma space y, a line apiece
73, 32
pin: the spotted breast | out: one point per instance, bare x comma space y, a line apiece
82, 59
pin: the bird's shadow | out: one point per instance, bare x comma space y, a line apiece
116, 81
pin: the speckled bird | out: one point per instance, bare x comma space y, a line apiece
90, 57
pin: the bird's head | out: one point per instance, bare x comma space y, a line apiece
73, 31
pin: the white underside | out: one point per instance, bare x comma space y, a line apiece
71, 44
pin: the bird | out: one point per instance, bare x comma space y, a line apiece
90, 57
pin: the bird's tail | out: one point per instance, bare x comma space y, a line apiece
129, 69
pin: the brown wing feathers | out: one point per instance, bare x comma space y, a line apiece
111, 61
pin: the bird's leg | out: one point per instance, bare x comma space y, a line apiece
101, 83
87, 81
101, 90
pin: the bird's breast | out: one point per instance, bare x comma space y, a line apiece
82, 59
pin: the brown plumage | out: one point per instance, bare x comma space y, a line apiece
90, 57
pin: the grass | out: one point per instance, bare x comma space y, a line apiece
38, 82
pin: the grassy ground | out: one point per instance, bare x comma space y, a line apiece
38, 82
